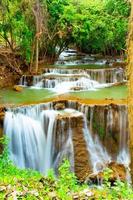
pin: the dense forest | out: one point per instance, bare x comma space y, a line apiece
66, 99
43, 29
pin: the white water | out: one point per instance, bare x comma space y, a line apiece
66, 84
81, 84
67, 150
97, 153
72, 57
53, 78
31, 132
124, 155
37, 142
27, 141
48, 119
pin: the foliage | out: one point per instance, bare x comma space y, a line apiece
91, 26
15, 27
67, 181
96, 27
28, 184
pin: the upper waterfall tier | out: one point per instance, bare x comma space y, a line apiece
71, 57
62, 80
111, 75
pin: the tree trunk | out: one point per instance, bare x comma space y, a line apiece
130, 86
37, 55
37, 13
32, 56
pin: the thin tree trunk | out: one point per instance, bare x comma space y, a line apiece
37, 13
37, 54
130, 86
32, 56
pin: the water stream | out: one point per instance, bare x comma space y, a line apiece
40, 137
32, 133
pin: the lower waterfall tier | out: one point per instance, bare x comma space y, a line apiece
90, 137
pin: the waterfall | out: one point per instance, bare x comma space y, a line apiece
26, 141
98, 155
32, 138
48, 123
81, 84
124, 155
109, 75
123, 116
23, 81
40, 137
67, 150
52, 77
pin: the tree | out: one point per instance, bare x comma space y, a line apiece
38, 23
130, 84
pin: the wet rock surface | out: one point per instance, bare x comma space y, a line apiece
81, 161
17, 88
117, 172
77, 88
110, 123
59, 106
2, 115
106, 121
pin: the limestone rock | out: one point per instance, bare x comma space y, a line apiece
59, 106
2, 115
84, 194
18, 88
118, 172
119, 64
76, 88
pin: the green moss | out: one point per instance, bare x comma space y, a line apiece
99, 129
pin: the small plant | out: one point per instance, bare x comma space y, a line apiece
67, 180
107, 174
31, 185
4, 157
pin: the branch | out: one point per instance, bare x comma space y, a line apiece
10, 65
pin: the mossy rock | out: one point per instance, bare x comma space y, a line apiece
18, 88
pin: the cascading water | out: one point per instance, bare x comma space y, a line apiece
40, 137
67, 149
31, 133
81, 84
48, 118
98, 155
53, 78
124, 155
26, 145
109, 75
72, 57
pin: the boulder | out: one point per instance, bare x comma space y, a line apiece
118, 171
18, 88
2, 115
77, 88
119, 64
59, 106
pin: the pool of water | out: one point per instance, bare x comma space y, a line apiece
78, 66
115, 92
33, 95
26, 96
